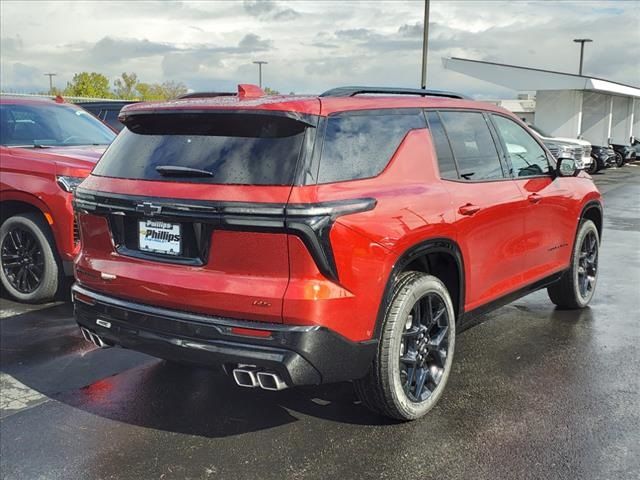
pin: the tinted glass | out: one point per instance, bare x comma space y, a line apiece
51, 125
472, 145
110, 117
361, 145
234, 148
527, 157
446, 163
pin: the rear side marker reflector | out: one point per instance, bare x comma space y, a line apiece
79, 297
250, 332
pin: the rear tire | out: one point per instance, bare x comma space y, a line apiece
415, 353
619, 160
29, 267
576, 287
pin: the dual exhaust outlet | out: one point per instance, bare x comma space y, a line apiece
251, 377
94, 338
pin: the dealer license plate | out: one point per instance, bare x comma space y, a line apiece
160, 237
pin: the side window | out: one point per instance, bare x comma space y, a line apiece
360, 145
446, 163
472, 145
527, 157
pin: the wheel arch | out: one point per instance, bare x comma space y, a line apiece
12, 203
440, 257
592, 210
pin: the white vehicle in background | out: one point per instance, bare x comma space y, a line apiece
580, 149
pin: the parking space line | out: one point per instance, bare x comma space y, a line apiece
15, 396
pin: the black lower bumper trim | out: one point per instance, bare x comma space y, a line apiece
301, 355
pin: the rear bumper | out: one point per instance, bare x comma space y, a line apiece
301, 355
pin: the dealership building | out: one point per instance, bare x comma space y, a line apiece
566, 105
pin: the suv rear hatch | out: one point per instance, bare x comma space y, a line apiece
186, 210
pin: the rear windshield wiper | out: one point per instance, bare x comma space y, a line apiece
175, 171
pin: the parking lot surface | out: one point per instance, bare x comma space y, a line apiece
535, 393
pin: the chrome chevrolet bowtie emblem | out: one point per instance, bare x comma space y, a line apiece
148, 208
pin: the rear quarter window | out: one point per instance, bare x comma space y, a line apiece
360, 144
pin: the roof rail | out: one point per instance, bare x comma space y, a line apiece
353, 91
206, 95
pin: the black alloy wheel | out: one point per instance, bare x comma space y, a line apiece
619, 160
588, 265
22, 260
424, 347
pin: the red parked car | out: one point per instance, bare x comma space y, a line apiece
305, 240
47, 148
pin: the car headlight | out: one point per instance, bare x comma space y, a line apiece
69, 184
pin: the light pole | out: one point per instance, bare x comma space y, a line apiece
50, 75
425, 44
260, 63
581, 41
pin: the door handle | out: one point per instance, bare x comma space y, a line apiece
469, 209
534, 198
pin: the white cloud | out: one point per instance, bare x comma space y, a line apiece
310, 46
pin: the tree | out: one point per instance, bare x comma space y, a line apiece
125, 86
271, 91
173, 89
88, 84
149, 91
164, 91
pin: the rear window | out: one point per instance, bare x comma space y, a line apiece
233, 148
360, 144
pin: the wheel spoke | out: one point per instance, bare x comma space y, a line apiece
439, 315
417, 314
439, 356
409, 358
13, 240
413, 332
420, 382
436, 341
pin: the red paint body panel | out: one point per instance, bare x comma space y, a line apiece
28, 176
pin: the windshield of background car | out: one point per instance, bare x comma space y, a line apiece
52, 125
232, 148
539, 131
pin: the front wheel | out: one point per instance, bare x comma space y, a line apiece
415, 353
592, 168
29, 268
576, 287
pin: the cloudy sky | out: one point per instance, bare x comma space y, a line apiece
310, 45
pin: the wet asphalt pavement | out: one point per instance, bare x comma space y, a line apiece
535, 393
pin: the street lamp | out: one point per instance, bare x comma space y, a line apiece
50, 75
425, 44
581, 41
260, 63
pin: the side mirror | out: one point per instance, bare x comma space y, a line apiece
567, 167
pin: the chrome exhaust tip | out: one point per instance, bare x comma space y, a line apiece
271, 381
89, 336
100, 342
85, 334
245, 377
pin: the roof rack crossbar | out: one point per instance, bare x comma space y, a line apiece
353, 91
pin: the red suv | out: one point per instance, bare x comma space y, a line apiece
47, 148
304, 240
